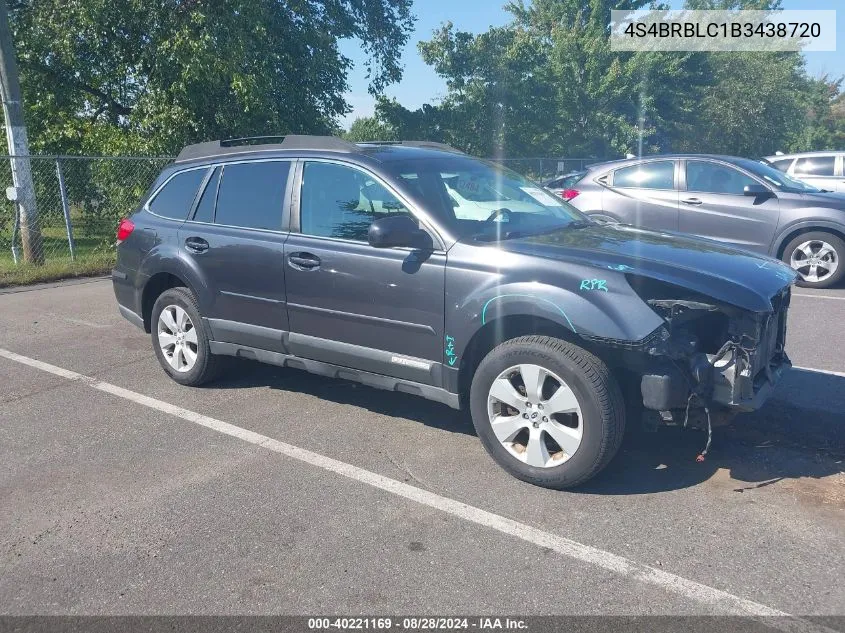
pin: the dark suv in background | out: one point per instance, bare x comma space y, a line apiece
738, 201
356, 261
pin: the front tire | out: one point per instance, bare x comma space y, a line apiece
180, 340
547, 411
817, 258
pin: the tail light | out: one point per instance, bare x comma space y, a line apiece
568, 194
124, 229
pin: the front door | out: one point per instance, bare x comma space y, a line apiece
236, 238
714, 206
349, 304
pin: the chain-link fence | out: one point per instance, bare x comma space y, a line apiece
80, 199
78, 202
544, 168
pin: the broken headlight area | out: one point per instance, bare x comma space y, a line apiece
710, 354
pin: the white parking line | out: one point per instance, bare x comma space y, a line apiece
820, 371
609, 561
801, 294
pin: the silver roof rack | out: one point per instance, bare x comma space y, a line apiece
264, 143
422, 144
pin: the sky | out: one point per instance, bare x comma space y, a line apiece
420, 84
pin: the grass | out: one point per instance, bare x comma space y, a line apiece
92, 257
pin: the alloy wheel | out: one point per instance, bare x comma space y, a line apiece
177, 338
814, 260
535, 415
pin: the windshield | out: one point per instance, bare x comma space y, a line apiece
484, 201
778, 178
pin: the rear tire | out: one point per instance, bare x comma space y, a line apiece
821, 251
180, 340
589, 437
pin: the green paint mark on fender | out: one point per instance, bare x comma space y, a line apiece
593, 284
536, 298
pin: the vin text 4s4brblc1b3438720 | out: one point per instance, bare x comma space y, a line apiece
415, 268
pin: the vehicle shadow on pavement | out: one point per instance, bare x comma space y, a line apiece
245, 373
799, 434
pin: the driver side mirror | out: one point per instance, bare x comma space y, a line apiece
398, 230
756, 190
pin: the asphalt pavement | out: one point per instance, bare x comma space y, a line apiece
272, 491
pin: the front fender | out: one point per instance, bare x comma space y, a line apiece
610, 310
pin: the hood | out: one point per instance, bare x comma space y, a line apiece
828, 199
726, 274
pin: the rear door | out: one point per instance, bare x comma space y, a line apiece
822, 171
714, 206
644, 194
236, 237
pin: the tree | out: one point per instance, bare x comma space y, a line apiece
548, 83
370, 129
148, 76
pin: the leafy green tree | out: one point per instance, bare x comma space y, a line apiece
147, 76
548, 83
370, 128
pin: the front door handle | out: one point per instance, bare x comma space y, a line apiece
304, 261
691, 201
196, 245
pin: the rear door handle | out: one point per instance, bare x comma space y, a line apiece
196, 245
304, 261
691, 201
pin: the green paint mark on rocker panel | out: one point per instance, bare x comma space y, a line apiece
451, 356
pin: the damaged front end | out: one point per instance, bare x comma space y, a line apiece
710, 354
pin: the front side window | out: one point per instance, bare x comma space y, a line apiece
174, 200
341, 202
655, 175
706, 177
815, 166
251, 195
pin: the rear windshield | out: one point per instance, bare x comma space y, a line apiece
482, 200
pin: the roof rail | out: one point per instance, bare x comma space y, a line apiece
263, 143
423, 144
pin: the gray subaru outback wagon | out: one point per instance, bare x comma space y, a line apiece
737, 201
415, 268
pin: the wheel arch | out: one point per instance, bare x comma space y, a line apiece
164, 268
498, 330
805, 227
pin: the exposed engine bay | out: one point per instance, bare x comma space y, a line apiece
710, 360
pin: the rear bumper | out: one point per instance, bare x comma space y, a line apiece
130, 316
127, 297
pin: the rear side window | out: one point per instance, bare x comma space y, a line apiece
714, 178
174, 200
205, 208
251, 195
815, 166
656, 175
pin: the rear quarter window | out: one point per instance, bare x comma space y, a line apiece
654, 175
175, 199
